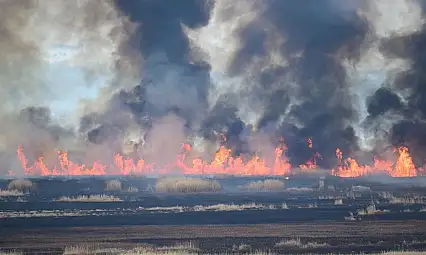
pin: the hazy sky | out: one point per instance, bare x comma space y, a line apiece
66, 81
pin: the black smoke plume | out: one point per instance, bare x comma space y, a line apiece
317, 37
306, 95
348, 74
411, 129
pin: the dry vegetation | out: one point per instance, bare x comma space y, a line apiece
338, 202
171, 209
243, 248
80, 249
16, 188
266, 185
11, 193
371, 210
189, 249
42, 213
132, 189
186, 185
297, 243
360, 188
167, 209
113, 185
228, 207
218, 207
22, 185
330, 197
295, 189
407, 200
403, 253
178, 249
91, 198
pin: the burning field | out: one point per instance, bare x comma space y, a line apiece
215, 112
223, 163
248, 88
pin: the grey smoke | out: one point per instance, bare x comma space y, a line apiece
38, 36
345, 73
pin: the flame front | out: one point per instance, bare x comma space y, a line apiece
67, 167
403, 167
223, 163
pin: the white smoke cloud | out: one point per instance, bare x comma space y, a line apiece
374, 69
80, 35
56, 54
396, 17
219, 42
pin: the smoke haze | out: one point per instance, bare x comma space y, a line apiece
348, 74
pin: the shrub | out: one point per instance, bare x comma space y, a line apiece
11, 193
112, 185
242, 248
186, 185
266, 185
338, 202
22, 185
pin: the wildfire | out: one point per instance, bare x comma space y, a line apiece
403, 167
309, 141
311, 164
223, 163
67, 167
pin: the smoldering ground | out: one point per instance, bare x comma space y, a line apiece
348, 74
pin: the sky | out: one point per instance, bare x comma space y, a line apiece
67, 81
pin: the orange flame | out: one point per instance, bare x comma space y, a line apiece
403, 167
311, 164
223, 163
67, 166
309, 141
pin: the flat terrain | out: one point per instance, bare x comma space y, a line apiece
344, 216
349, 236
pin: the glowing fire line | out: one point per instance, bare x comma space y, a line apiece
222, 163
